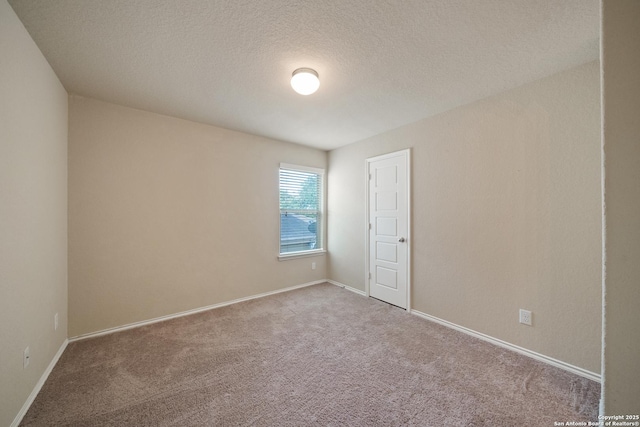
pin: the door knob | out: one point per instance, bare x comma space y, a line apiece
401, 240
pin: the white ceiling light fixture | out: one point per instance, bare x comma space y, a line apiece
305, 81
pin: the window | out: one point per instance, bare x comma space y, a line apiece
301, 210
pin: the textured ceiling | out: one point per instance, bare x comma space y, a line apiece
382, 63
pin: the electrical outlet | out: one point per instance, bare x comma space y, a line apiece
25, 358
525, 317
313, 265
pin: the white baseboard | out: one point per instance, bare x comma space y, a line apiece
541, 357
188, 312
27, 404
549, 360
349, 288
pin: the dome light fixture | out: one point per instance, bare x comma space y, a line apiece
305, 81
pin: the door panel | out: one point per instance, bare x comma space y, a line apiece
386, 201
387, 252
388, 228
387, 277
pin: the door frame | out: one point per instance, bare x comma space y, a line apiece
407, 153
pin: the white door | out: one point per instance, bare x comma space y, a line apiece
388, 212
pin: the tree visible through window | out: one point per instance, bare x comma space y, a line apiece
300, 209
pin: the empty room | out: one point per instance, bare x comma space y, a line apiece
351, 212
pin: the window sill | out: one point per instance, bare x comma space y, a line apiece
295, 255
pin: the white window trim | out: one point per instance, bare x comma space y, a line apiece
290, 166
312, 252
303, 254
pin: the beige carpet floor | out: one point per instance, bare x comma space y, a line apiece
315, 356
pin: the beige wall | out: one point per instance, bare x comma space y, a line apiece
506, 214
621, 137
167, 215
33, 213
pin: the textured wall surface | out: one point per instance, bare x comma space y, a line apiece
33, 213
506, 214
382, 63
167, 215
621, 123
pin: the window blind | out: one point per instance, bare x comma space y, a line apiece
300, 210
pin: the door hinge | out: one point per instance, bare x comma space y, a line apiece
369, 177
369, 275
369, 226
